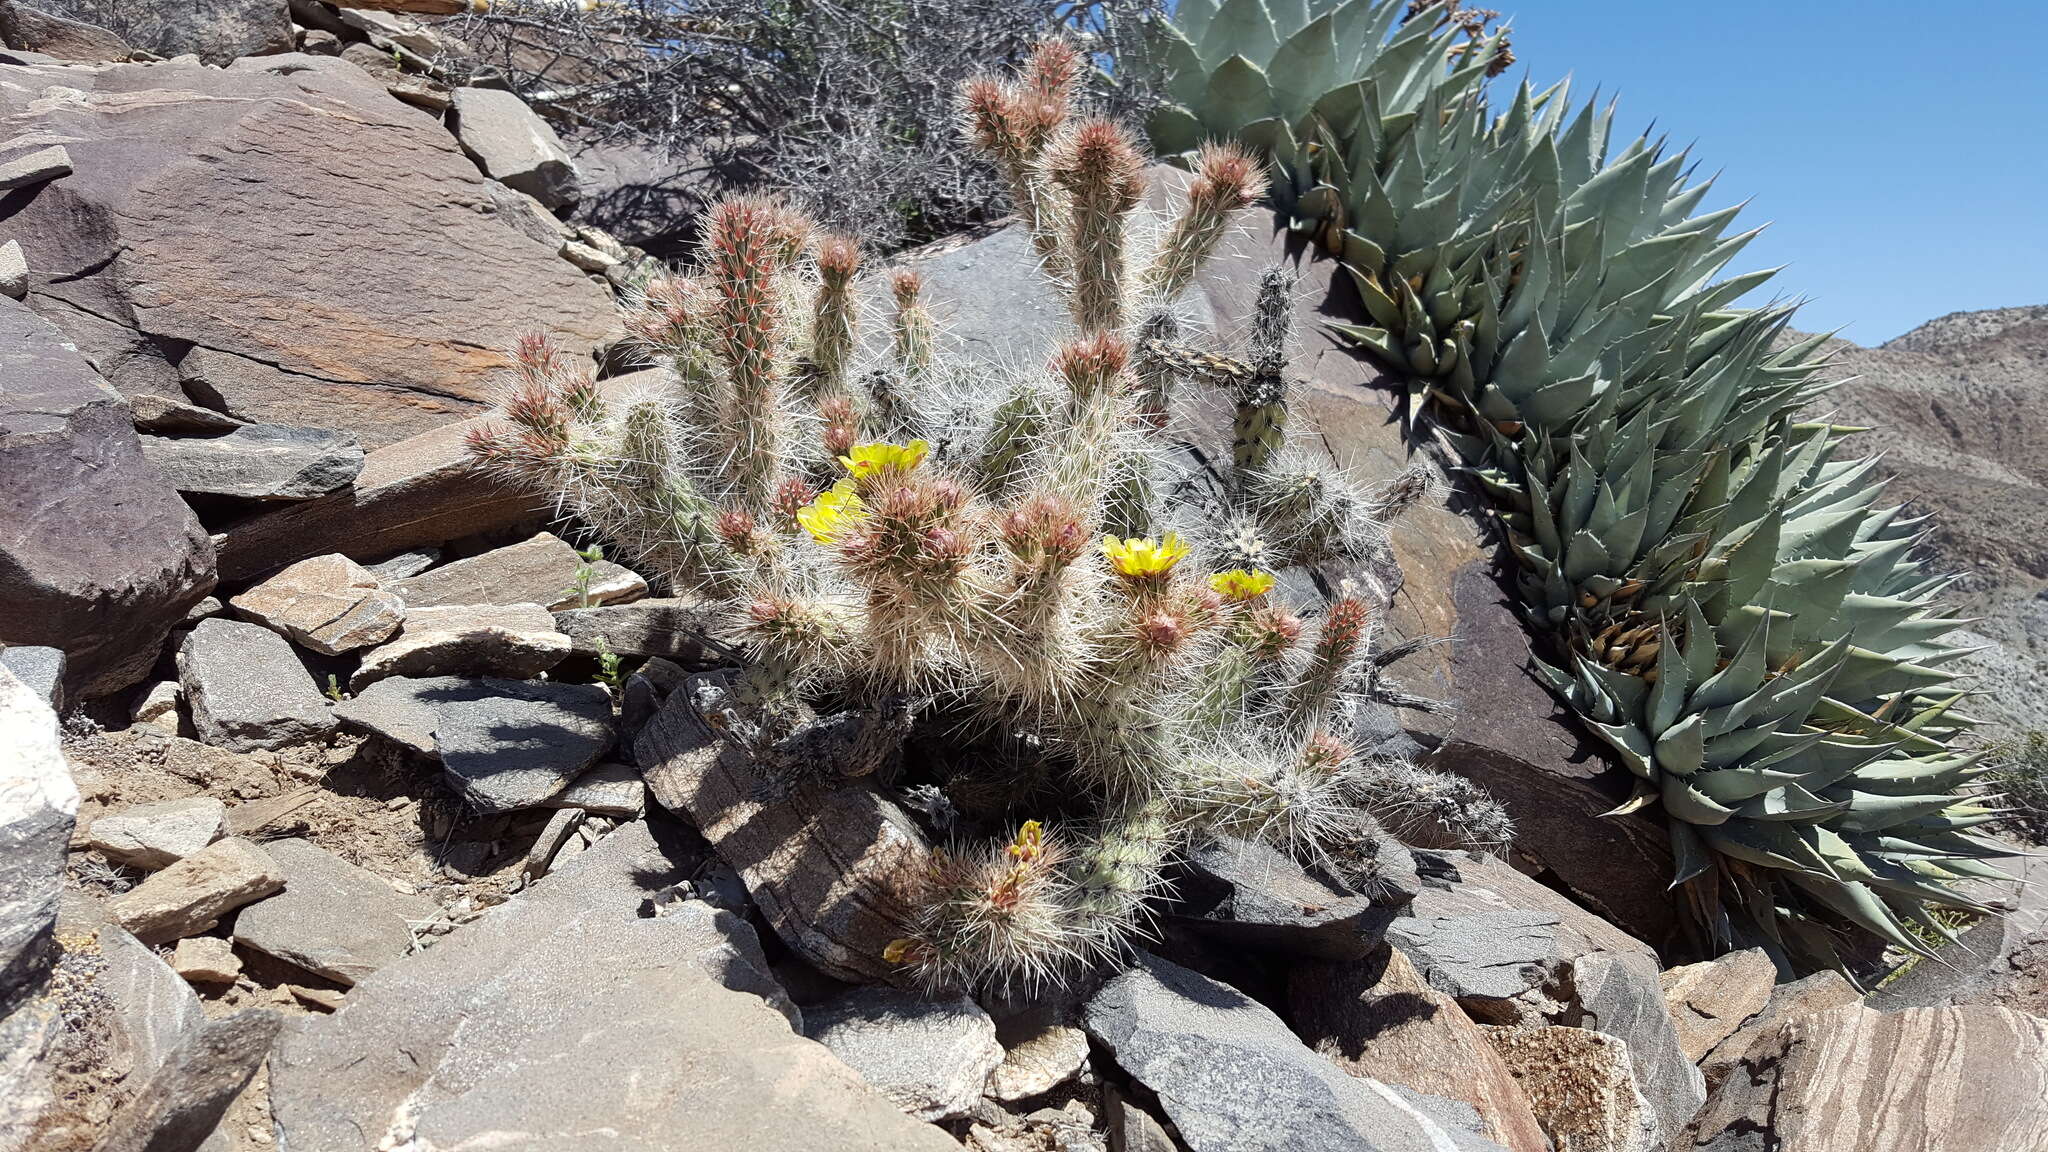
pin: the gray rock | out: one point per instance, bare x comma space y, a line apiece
410, 562
150, 1011
38, 167
330, 604
31, 1040
541, 570
179, 1106
565, 1011
606, 790
13, 270
153, 836
931, 1057
1131, 1128
333, 918
38, 807
390, 30
516, 641
1502, 966
1619, 994
1041, 1051
586, 257
100, 557
246, 690
191, 896
528, 217
672, 628
1232, 1077
26, 28
553, 837
221, 31
1255, 895
154, 413
40, 669
506, 744
258, 462
513, 144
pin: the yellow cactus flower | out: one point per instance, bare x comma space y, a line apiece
1143, 558
1029, 844
881, 459
1240, 586
834, 511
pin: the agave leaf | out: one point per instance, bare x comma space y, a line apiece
1237, 89
1304, 68
1243, 30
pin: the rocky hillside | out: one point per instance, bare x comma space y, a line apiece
346, 804
1959, 409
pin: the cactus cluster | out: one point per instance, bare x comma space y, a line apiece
1728, 604
1112, 667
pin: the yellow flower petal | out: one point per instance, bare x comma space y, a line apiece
876, 459
836, 509
1143, 558
1241, 586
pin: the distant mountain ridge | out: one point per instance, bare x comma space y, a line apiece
1958, 408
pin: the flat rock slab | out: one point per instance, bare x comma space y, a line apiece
39, 668
1233, 1078
669, 627
38, 167
1582, 1086
153, 836
192, 895
516, 641
510, 142
606, 790
1254, 895
329, 603
541, 570
932, 1057
1915, 1080
182, 1104
363, 282
1040, 1053
13, 270
1816, 993
38, 808
505, 744
246, 689
566, 1012
1619, 994
1378, 1018
1710, 1000
333, 918
258, 462
206, 960
165, 414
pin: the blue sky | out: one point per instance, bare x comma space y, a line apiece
1898, 150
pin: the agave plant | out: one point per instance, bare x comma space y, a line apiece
897, 531
1727, 605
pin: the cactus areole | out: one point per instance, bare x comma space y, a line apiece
1728, 604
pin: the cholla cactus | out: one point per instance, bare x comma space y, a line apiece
981, 552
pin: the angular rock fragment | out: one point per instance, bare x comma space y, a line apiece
1619, 994
511, 143
163, 414
206, 960
1232, 1077
38, 167
606, 790
181, 1105
329, 604
542, 570
13, 270
1378, 1018
153, 836
1816, 993
258, 462
38, 806
223, 31
1255, 895
246, 690
930, 1056
40, 669
506, 744
333, 918
26, 28
1710, 1000
1040, 1053
158, 707
516, 641
410, 562
1582, 1086
685, 630
192, 895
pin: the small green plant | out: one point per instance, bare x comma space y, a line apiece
334, 690
586, 573
2019, 769
1111, 665
610, 668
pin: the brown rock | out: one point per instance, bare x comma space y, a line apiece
362, 283
1916, 1080
26, 28
421, 490
1816, 993
1710, 1000
824, 863
189, 897
152, 836
1581, 1087
541, 570
329, 604
517, 641
1379, 1019
206, 960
